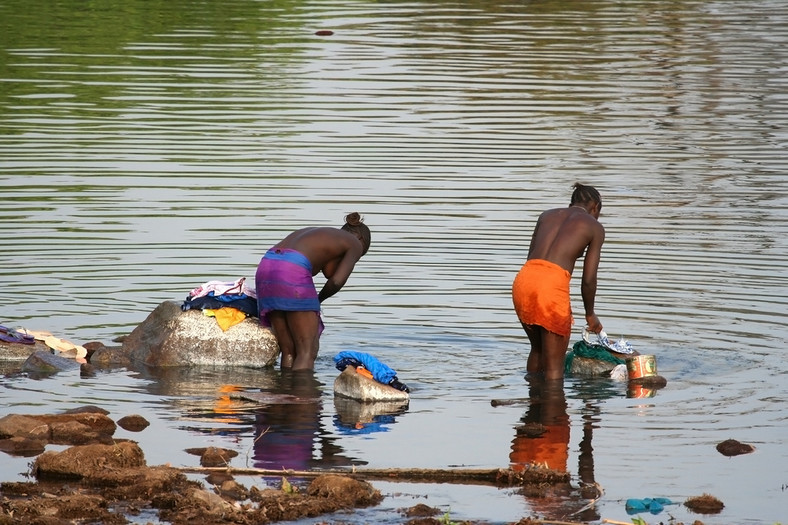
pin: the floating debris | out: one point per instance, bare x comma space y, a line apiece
705, 504
731, 447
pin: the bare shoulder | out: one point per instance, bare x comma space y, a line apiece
595, 229
551, 214
308, 239
596, 224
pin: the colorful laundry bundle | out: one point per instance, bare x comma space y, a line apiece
230, 302
381, 372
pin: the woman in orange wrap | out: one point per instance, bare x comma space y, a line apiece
540, 291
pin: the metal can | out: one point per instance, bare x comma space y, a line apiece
641, 366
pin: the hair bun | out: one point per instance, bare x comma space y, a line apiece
354, 219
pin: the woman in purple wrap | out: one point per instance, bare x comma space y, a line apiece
287, 298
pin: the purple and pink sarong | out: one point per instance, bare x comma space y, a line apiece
284, 282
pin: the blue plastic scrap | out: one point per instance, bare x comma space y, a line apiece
652, 505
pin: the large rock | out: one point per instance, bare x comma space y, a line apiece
353, 385
173, 337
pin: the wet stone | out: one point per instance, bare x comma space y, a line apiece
133, 423
731, 447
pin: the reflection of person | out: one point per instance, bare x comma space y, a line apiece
286, 295
540, 291
286, 433
544, 437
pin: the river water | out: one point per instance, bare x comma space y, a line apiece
148, 147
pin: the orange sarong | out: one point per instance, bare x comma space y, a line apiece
540, 293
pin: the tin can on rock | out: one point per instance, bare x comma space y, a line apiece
641, 366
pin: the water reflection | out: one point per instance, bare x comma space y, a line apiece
281, 410
355, 417
543, 438
285, 435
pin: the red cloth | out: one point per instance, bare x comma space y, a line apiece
540, 293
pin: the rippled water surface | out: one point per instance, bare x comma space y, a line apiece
147, 147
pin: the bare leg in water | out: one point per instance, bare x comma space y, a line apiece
298, 334
548, 352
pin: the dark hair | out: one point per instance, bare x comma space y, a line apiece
354, 223
584, 194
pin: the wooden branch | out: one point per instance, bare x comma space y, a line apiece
553, 522
511, 401
532, 474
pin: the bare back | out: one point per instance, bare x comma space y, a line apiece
324, 247
332, 251
562, 235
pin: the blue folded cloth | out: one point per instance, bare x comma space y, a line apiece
381, 372
652, 505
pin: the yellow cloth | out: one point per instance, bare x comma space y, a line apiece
226, 317
540, 293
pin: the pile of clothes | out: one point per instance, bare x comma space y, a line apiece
229, 302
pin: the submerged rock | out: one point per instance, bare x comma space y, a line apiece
133, 423
44, 362
213, 456
107, 357
173, 337
10, 351
732, 447
60, 429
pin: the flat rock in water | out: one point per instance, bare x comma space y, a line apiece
18, 425
268, 398
45, 362
173, 337
19, 351
353, 385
